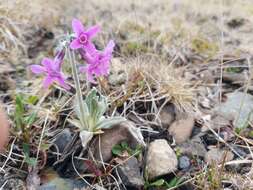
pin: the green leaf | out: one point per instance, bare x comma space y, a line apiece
20, 104
117, 150
174, 182
19, 112
32, 99
29, 160
45, 146
124, 145
75, 122
31, 118
26, 149
109, 122
157, 183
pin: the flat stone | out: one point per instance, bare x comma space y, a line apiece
184, 162
161, 159
238, 108
217, 156
130, 174
193, 147
167, 115
181, 129
125, 131
62, 139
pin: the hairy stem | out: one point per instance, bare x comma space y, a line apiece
78, 87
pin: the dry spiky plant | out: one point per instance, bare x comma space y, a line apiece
11, 39
166, 81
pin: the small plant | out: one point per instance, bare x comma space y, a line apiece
31, 161
23, 120
91, 110
119, 149
92, 121
161, 183
233, 70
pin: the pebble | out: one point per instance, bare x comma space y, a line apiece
161, 159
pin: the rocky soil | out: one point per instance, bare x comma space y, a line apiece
181, 75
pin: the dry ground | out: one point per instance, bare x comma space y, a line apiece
177, 44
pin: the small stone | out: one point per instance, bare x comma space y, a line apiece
217, 156
130, 174
125, 131
207, 76
63, 184
194, 147
62, 139
181, 129
237, 108
161, 159
118, 75
217, 121
50, 180
167, 115
240, 151
236, 22
184, 162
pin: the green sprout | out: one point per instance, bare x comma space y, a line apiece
119, 149
22, 118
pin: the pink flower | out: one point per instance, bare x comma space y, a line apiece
52, 70
83, 37
98, 62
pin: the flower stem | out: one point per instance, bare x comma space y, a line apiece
78, 88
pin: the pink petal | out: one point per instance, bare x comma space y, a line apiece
90, 78
37, 69
92, 31
83, 69
104, 68
97, 71
57, 65
48, 64
77, 26
75, 44
89, 58
47, 82
62, 83
109, 47
91, 49
106, 59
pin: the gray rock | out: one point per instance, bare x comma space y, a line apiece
181, 129
217, 121
161, 159
62, 139
238, 108
217, 156
184, 162
125, 131
63, 184
167, 115
193, 147
130, 174
240, 151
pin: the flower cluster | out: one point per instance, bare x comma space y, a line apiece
97, 62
